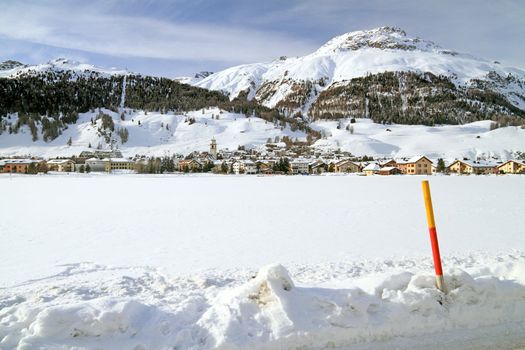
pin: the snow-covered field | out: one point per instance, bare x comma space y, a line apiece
167, 262
150, 134
152, 137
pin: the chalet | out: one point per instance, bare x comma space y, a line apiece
471, 167
346, 166
371, 169
317, 167
389, 170
61, 165
264, 166
511, 167
388, 163
189, 165
419, 165
118, 164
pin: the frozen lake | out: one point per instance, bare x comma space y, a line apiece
186, 224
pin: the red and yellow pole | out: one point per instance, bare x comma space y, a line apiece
440, 282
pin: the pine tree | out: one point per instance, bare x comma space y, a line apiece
440, 165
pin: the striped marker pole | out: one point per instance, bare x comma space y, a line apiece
440, 282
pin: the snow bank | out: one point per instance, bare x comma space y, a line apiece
269, 311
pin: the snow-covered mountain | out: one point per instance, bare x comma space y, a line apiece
13, 69
358, 73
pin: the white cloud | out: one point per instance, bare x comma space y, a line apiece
104, 33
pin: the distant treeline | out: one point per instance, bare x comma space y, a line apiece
54, 99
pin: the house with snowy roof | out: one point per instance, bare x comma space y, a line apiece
346, 166
300, 166
318, 167
511, 167
371, 169
191, 165
389, 170
18, 165
472, 167
119, 164
418, 165
61, 165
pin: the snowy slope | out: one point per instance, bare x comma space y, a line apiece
60, 65
159, 262
157, 134
231, 130
471, 140
357, 54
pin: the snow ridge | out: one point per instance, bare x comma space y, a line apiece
59, 65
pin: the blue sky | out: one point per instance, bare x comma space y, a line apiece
178, 38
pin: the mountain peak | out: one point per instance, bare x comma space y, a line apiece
10, 64
377, 38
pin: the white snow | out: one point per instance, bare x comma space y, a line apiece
470, 140
354, 55
157, 262
61, 65
232, 130
151, 137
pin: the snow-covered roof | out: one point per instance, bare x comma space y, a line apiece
18, 161
59, 161
411, 160
119, 160
478, 164
372, 166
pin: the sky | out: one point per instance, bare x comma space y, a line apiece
175, 38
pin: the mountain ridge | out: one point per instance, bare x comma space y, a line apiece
294, 84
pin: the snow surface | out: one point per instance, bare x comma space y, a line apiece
231, 130
357, 54
470, 140
61, 65
151, 137
158, 262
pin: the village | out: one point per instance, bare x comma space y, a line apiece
274, 161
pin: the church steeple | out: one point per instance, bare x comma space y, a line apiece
213, 148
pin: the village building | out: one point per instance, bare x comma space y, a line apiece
389, 170
96, 164
61, 165
470, 167
238, 167
113, 164
101, 154
265, 166
511, 167
318, 167
388, 163
21, 166
299, 166
250, 167
371, 169
189, 165
346, 166
418, 165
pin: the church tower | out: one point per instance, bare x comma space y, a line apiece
213, 148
